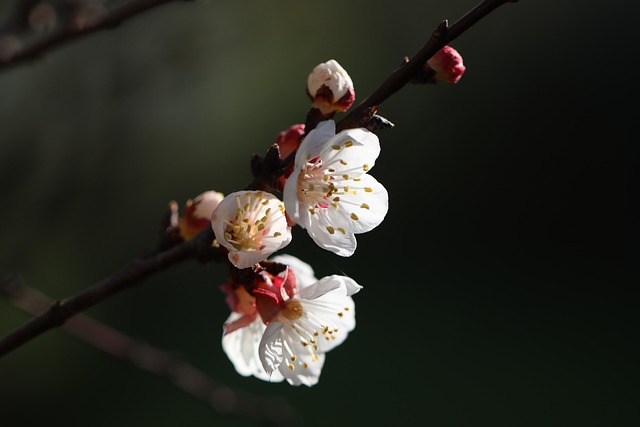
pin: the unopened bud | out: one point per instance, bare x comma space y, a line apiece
197, 214
447, 64
289, 140
330, 87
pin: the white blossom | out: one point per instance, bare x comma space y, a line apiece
311, 318
330, 193
251, 225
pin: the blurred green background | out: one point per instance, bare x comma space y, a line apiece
497, 291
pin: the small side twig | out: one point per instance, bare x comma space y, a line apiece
181, 374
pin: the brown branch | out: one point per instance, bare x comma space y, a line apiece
220, 398
132, 275
67, 33
443, 34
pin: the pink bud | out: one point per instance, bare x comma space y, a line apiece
289, 140
447, 63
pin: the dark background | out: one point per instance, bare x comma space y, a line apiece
497, 292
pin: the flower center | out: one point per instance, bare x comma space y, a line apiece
314, 186
253, 220
292, 310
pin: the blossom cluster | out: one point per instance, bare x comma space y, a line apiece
283, 319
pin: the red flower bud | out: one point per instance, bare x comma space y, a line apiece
447, 63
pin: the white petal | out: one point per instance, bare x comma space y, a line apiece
342, 285
339, 320
321, 287
270, 347
303, 271
359, 154
297, 210
328, 311
219, 215
247, 259
361, 209
241, 347
351, 285
292, 205
304, 376
342, 244
307, 366
313, 143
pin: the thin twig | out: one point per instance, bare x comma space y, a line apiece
111, 19
186, 377
442, 35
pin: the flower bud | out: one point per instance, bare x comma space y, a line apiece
197, 214
330, 87
447, 64
289, 140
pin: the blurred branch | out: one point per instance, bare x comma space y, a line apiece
222, 399
37, 27
360, 115
132, 275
